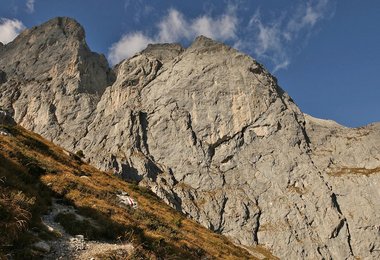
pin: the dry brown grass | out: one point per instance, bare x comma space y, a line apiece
354, 171
15, 213
157, 231
296, 190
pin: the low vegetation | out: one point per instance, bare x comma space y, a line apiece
33, 172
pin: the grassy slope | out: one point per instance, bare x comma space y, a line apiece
33, 171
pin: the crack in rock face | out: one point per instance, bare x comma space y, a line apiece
207, 129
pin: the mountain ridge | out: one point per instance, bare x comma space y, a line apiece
209, 130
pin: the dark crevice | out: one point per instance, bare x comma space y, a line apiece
220, 141
307, 138
3, 77
210, 153
303, 129
143, 118
152, 169
342, 223
220, 224
227, 159
130, 173
335, 203
337, 229
281, 93
257, 227
349, 238
174, 199
323, 252
137, 141
190, 126
139, 129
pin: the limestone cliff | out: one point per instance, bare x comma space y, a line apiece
51, 81
208, 129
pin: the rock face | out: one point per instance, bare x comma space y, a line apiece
350, 159
210, 132
51, 81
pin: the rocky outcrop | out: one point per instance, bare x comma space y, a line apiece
51, 81
214, 136
351, 160
208, 129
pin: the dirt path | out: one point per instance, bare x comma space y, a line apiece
76, 247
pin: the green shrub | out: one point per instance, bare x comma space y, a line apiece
80, 154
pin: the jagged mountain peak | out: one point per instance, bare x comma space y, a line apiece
163, 51
56, 28
168, 51
202, 40
204, 44
45, 71
33, 55
64, 30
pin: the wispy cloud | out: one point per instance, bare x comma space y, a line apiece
175, 27
9, 29
30, 6
138, 8
275, 40
128, 45
265, 40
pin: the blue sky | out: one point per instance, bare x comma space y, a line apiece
325, 53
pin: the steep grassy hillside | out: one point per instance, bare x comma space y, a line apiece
34, 172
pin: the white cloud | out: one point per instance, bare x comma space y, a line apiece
222, 28
275, 40
267, 36
9, 29
30, 6
265, 40
175, 27
128, 45
306, 17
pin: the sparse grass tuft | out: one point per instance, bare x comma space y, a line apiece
177, 222
15, 214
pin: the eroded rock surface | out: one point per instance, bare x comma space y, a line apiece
208, 129
351, 159
51, 81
